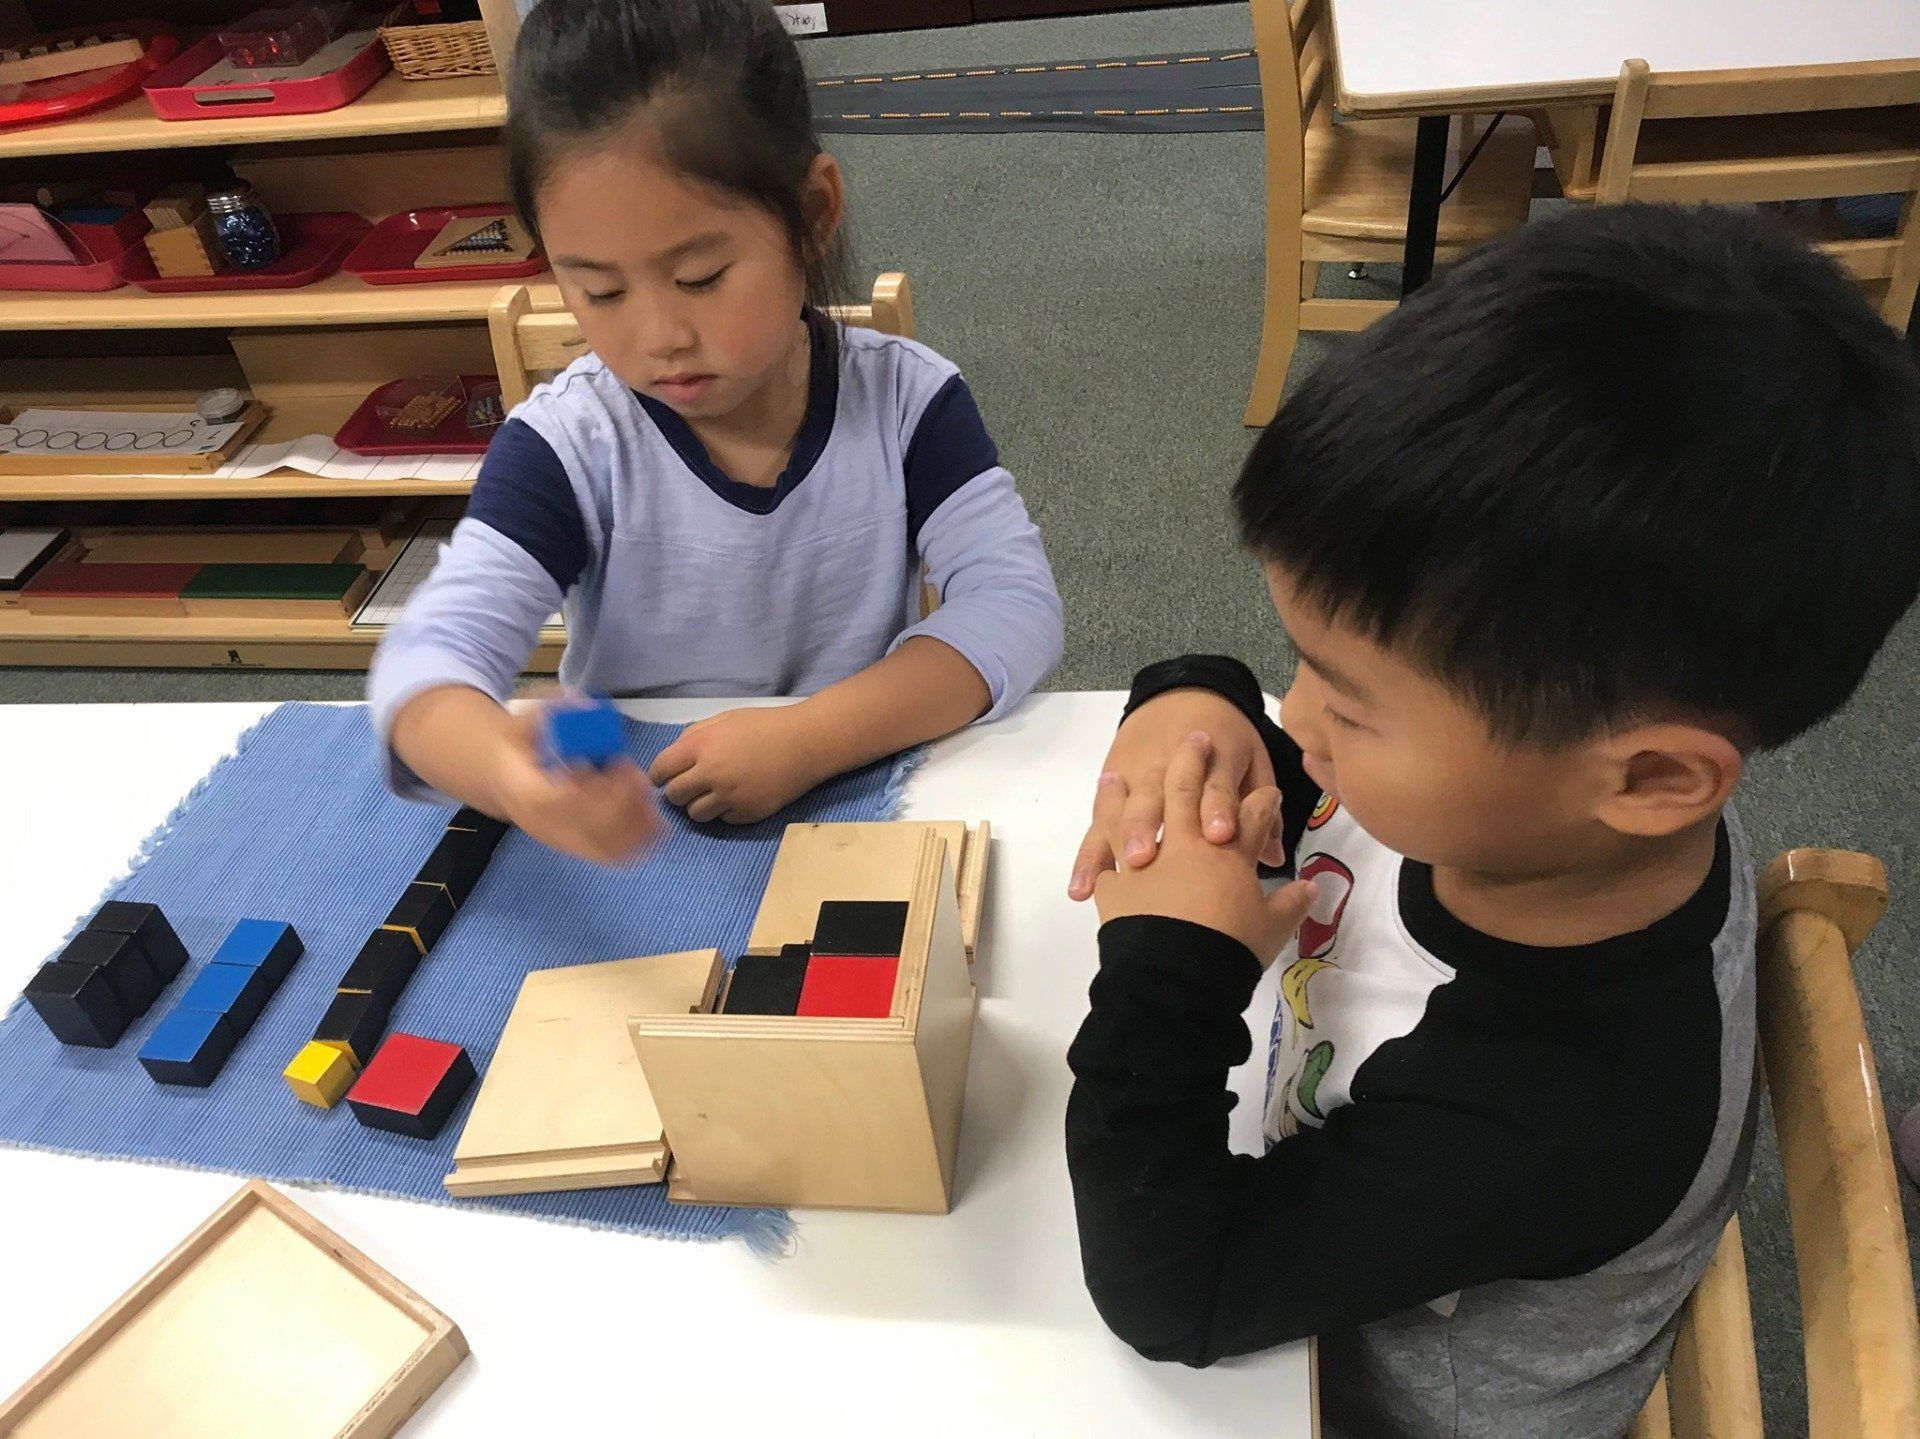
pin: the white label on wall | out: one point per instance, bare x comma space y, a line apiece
803, 19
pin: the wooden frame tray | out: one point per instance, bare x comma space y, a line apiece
133, 462
262, 1322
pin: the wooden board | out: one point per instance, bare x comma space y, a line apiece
863, 861
263, 1322
221, 546
564, 1104
26, 64
98, 462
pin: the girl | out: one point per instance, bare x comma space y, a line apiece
730, 495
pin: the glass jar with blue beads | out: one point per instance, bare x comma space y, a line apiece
243, 227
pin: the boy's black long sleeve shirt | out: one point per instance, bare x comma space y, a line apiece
1493, 1171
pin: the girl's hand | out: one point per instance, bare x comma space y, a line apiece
742, 765
607, 815
1127, 803
1197, 879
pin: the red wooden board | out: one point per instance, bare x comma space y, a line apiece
130, 581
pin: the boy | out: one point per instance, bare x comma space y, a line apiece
1612, 505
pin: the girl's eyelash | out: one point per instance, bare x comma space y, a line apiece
706, 283
1342, 720
607, 299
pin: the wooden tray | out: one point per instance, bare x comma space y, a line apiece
131, 462
263, 1322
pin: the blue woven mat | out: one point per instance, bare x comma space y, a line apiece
298, 826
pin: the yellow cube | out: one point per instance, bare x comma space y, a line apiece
321, 1073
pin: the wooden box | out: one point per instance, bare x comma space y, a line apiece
263, 1322
829, 1112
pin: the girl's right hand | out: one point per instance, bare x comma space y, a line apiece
607, 815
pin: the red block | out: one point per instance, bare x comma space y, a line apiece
411, 1086
848, 986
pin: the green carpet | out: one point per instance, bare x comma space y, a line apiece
1103, 295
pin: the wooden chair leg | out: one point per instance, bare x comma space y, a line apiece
1654, 1421
1280, 330
1309, 278
1713, 1379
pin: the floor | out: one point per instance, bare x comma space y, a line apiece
1103, 295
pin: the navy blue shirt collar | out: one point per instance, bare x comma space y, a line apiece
823, 400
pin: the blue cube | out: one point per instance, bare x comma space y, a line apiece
591, 734
188, 1046
238, 991
267, 945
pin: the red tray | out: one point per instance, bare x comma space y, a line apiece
113, 262
312, 246
43, 100
386, 256
365, 433
174, 96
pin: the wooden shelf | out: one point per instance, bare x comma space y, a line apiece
339, 300
392, 107
200, 641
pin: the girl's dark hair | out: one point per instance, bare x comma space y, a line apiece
723, 84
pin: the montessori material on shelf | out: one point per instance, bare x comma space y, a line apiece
416, 247
30, 95
439, 40
853, 1099
262, 1322
204, 82
43, 440
429, 414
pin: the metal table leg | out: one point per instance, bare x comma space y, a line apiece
1423, 201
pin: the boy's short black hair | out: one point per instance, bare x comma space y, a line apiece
1633, 462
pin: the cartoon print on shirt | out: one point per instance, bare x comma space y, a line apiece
1313, 1069
1334, 882
1323, 811
1319, 933
1293, 988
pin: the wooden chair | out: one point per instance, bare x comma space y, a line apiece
1849, 1239
1774, 136
530, 342
1338, 192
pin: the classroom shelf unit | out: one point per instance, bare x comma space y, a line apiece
310, 354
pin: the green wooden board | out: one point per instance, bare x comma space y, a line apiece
272, 582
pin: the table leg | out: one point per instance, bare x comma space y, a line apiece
1423, 201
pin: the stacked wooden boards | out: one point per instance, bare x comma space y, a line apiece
799, 1110
262, 1322
564, 1104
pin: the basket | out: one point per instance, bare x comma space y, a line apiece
439, 52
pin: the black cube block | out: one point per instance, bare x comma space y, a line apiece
357, 1021
424, 911
383, 966
79, 1004
166, 954
767, 983
457, 863
860, 926
124, 961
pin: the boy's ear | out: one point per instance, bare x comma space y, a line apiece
824, 199
1664, 778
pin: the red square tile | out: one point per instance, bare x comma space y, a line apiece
404, 1073
848, 986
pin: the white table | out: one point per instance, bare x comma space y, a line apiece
1432, 58
970, 1324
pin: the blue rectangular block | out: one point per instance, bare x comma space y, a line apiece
238, 991
591, 734
188, 1046
264, 944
